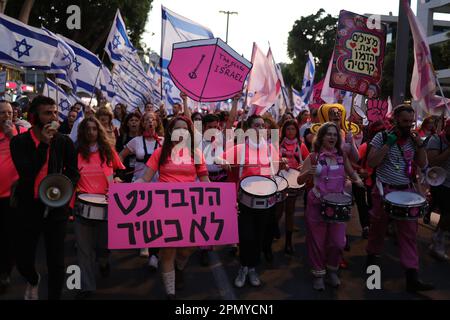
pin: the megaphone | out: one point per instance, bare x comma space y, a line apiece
55, 190
435, 176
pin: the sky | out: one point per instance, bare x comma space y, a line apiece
260, 21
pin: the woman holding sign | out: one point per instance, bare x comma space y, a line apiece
188, 166
97, 162
328, 166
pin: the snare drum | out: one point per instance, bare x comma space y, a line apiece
336, 207
404, 205
282, 192
291, 176
257, 192
92, 206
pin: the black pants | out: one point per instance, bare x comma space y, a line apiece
30, 225
441, 197
363, 199
269, 233
252, 225
7, 215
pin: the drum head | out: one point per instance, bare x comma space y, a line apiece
93, 199
281, 182
291, 176
337, 198
259, 186
405, 198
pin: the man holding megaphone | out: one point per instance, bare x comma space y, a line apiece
39, 152
438, 151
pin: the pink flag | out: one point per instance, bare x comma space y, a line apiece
423, 80
262, 84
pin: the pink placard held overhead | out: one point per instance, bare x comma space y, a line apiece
376, 109
208, 70
159, 215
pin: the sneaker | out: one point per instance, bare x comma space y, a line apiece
153, 262
332, 279
143, 253
32, 292
318, 284
253, 277
438, 254
241, 277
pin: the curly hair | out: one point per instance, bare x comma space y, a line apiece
104, 146
159, 129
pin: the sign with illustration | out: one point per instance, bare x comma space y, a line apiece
208, 70
358, 55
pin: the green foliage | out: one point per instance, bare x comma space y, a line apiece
315, 33
96, 19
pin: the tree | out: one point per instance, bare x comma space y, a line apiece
315, 33
96, 19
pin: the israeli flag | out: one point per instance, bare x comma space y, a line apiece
118, 44
176, 28
63, 100
307, 86
63, 63
86, 66
106, 84
26, 46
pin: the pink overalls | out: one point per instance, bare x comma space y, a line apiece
325, 242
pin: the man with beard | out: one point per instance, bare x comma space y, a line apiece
39, 152
394, 154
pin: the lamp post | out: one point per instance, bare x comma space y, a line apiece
228, 20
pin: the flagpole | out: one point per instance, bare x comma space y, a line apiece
161, 59
96, 78
274, 64
250, 77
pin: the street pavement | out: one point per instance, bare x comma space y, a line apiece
286, 278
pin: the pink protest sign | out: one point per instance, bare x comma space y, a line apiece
358, 55
376, 109
208, 70
159, 215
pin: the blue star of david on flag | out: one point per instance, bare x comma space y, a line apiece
168, 86
24, 43
77, 64
64, 105
116, 42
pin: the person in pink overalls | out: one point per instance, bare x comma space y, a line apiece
328, 166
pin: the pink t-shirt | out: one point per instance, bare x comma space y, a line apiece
7, 169
256, 158
290, 151
178, 172
94, 174
44, 170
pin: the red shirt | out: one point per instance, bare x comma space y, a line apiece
292, 151
362, 155
8, 171
44, 170
94, 174
178, 172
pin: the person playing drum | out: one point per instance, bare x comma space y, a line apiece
292, 149
254, 156
182, 169
328, 166
393, 154
97, 162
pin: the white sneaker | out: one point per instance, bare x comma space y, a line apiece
241, 277
253, 277
318, 284
332, 279
32, 292
143, 253
153, 262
